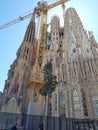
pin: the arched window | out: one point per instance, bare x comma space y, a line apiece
62, 104
94, 101
76, 104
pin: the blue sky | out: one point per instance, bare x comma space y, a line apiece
11, 37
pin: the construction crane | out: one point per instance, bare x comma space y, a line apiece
37, 77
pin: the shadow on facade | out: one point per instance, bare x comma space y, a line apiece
31, 122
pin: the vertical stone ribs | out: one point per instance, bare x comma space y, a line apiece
83, 71
30, 33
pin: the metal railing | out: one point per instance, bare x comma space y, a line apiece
32, 122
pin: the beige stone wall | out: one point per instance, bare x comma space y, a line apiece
76, 66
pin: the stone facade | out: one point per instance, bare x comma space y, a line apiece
74, 54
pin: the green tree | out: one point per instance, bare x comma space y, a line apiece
50, 83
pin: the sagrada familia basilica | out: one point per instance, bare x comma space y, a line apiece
73, 52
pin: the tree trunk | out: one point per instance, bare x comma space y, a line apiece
44, 121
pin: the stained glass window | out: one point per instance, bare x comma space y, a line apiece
62, 104
76, 104
94, 101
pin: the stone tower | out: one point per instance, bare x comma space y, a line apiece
75, 64
19, 73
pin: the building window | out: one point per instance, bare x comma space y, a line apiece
27, 50
62, 104
87, 50
76, 100
94, 101
56, 38
76, 104
74, 50
56, 33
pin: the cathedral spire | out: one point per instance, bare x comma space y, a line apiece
19, 72
30, 32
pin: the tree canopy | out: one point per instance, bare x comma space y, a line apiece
49, 80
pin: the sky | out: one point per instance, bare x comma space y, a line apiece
12, 36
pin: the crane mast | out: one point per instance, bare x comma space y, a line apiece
37, 78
